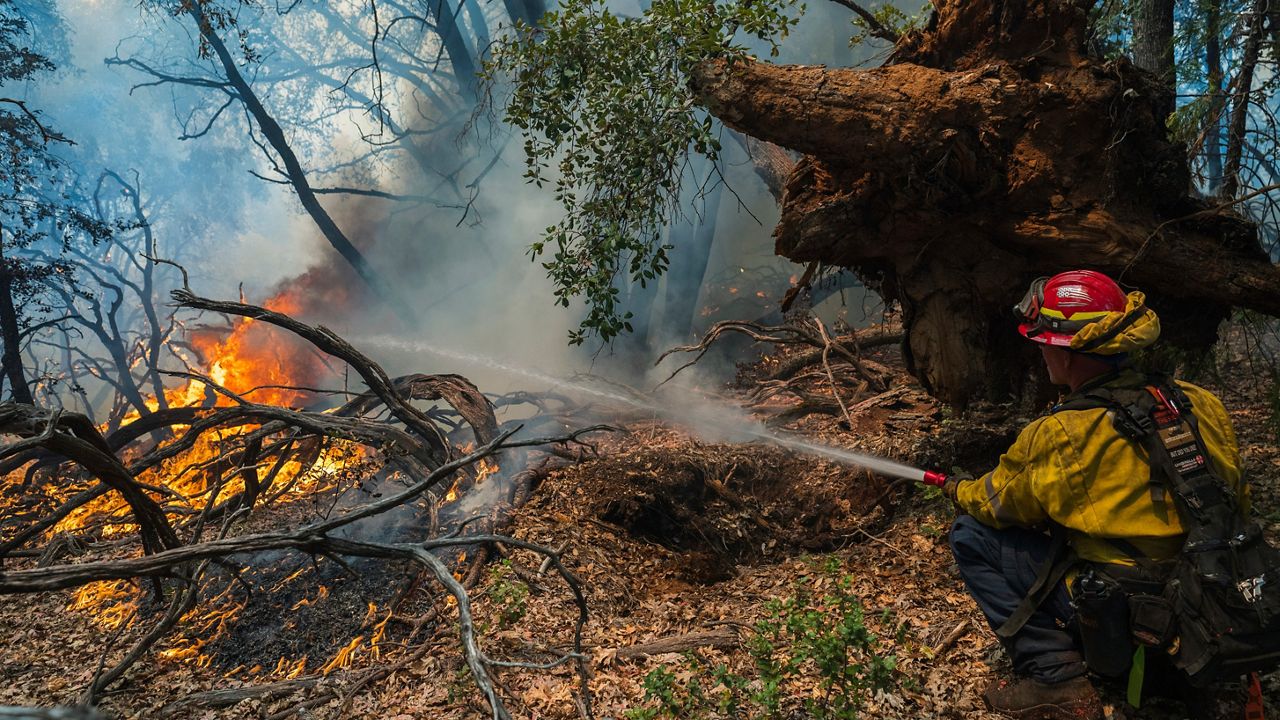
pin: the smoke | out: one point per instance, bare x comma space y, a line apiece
458, 256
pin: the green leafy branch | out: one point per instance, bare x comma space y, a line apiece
885, 21
609, 123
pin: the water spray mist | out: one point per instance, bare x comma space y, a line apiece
726, 420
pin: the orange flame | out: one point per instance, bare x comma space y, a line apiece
245, 359
343, 658
321, 594
113, 602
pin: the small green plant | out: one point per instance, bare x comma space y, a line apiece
889, 17
932, 493
460, 686
815, 647
509, 595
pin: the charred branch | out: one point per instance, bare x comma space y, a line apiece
325, 340
312, 538
808, 332
456, 390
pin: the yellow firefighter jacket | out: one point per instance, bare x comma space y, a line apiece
1074, 468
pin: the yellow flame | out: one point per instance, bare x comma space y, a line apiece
294, 669
321, 594
112, 602
343, 658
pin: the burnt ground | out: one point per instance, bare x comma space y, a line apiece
670, 536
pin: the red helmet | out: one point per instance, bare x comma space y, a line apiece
1054, 309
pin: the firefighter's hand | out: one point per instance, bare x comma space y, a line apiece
953, 483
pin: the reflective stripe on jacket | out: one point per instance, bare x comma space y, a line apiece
1074, 468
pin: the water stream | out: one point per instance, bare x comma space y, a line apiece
709, 418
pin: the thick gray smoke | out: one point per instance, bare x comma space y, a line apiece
459, 257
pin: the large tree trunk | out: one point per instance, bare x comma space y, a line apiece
1153, 44
992, 149
1213, 119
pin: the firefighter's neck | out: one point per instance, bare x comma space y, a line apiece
1072, 369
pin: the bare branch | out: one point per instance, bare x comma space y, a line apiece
46, 134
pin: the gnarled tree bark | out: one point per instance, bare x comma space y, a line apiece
990, 149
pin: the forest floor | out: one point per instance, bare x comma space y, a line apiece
709, 570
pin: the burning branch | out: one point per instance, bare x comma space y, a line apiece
326, 340
316, 539
72, 436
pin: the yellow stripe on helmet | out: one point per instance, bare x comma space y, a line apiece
1076, 317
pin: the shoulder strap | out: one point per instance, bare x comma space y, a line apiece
1207, 506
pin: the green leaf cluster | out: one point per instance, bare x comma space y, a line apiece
891, 18
608, 121
807, 640
508, 594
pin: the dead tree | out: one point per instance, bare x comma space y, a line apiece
990, 149
10, 331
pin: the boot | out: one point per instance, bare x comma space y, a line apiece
1029, 699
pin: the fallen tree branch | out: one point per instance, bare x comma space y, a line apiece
58, 713
312, 538
864, 339
956, 633
226, 697
252, 437
790, 334
831, 378
719, 638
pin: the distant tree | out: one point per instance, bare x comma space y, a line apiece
1153, 42
303, 75
36, 199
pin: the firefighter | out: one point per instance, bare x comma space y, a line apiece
1071, 472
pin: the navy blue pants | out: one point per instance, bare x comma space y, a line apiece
999, 567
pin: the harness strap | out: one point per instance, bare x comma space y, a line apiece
1151, 568
1119, 327
1059, 560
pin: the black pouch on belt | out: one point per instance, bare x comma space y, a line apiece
1102, 614
1151, 620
